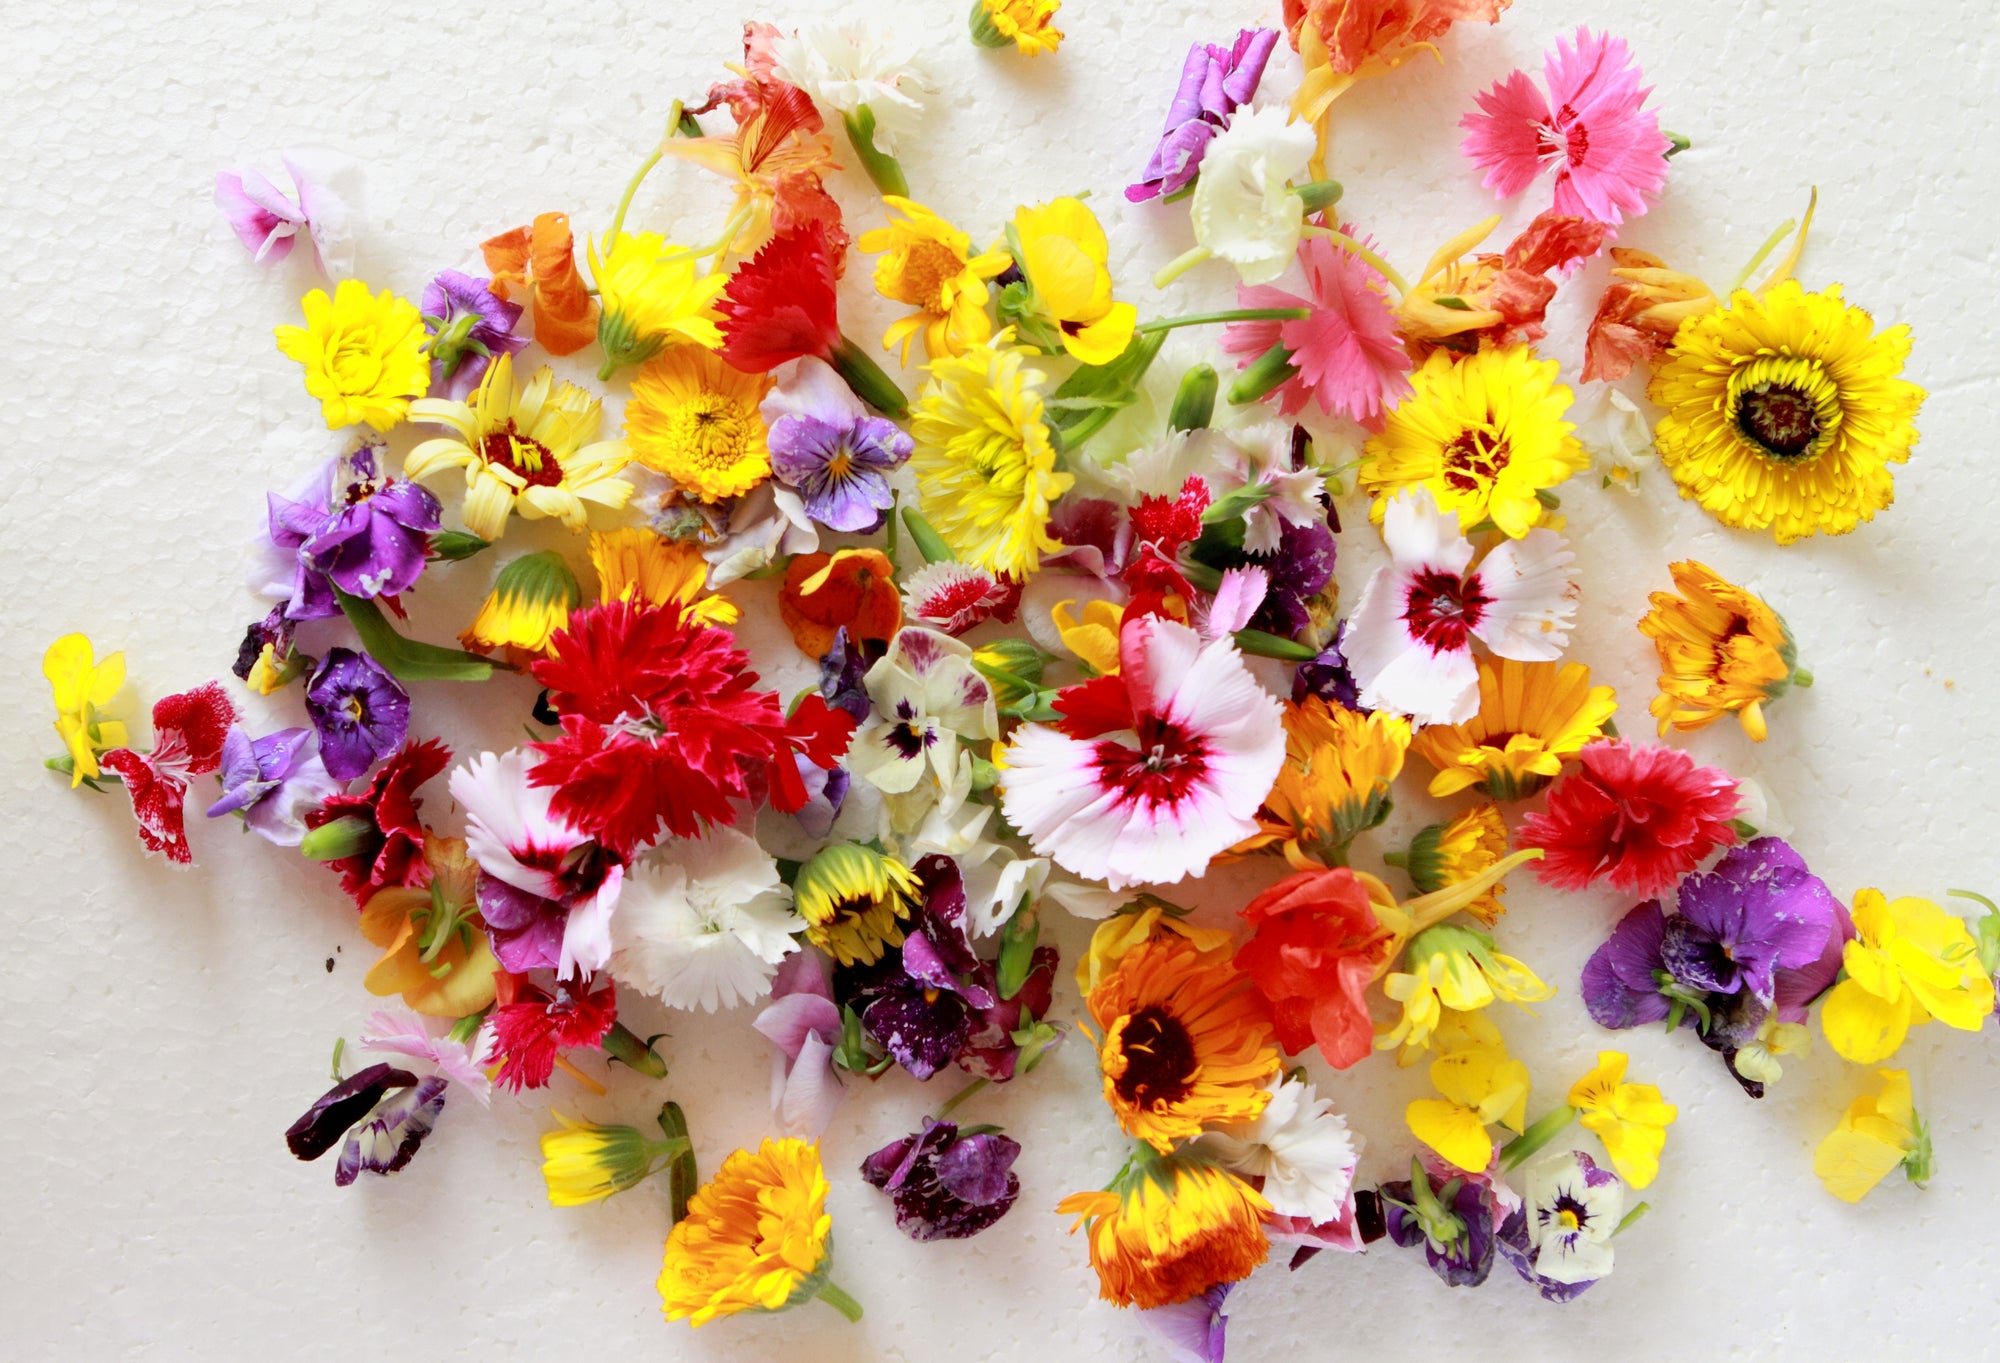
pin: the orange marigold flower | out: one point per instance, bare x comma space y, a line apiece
540, 260
1176, 1227
1722, 651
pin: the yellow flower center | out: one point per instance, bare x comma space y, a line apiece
355, 364
1788, 407
1567, 1219
713, 431
1473, 461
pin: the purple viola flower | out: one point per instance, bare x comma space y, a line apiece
340, 1107
803, 1026
843, 671
1215, 82
526, 929
387, 1138
292, 521
946, 1186
1621, 980
1299, 571
469, 325
1327, 676
273, 782
1195, 1329
919, 1001
377, 541
1578, 1205
1453, 1223
361, 712
825, 444
1758, 912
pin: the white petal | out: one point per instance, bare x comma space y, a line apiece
1533, 597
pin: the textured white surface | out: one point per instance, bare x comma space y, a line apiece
162, 1030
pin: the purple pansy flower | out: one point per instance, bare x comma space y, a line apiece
946, 1186
1621, 986
469, 325
526, 929
273, 782
1758, 912
387, 1138
843, 673
1454, 1224
340, 1107
1215, 82
1573, 1212
825, 444
361, 712
803, 1026
1195, 1329
1299, 571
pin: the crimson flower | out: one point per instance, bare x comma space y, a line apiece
780, 303
391, 850
188, 731
533, 1026
1637, 818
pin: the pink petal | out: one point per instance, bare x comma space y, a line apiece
1504, 138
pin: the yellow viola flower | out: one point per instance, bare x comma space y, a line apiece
434, 948
930, 265
1028, 24
528, 450
1784, 412
651, 294
1910, 961
583, 1162
855, 901
1456, 969
363, 354
1760, 1059
1066, 258
1484, 433
1479, 1084
1339, 765
1531, 716
634, 564
1170, 1229
1092, 634
530, 601
1722, 651
695, 419
1446, 854
1879, 1134
1630, 1119
82, 686
1123, 933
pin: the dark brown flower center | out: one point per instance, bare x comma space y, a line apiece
1781, 418
1159, 1055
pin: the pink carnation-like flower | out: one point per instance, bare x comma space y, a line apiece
1636, 818
955, 597
1608, 153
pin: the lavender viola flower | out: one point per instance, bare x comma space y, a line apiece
292, 520
1759, 912
825, 444
1453, 1223
1195, 1330
526, 929
1215, 82
273, 782
469, 325
946, 1186
388, 1137
361, 712
340, 1107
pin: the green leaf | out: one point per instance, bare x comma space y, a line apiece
406, 658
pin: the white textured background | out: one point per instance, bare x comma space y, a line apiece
162, 1030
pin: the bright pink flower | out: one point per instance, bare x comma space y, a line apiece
1346, 354
1608, 153
188, 730
1636, 818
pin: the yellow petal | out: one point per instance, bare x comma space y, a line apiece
1865, 1028
1454, 1132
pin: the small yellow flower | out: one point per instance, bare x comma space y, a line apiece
1759, 1060
650, 298
634, 564
1630, 1119
583, 1162
363, 354
81, 687
756, 1236
1092, 634
1339, 765
930, 265
1174, 1228
1066, 258
1452, 968
530, 601
1123, 933
1531, 716
529, 451
695, 419
1722, 651
1446, 854
1479, 1084
855, 901
1028, 24
1910, 961
1878, 1135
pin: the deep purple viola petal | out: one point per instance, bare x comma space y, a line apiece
526, 930
943, 914
388, 1138
1618, 985
361, 713
887, 1167
974, 1169
340, 1107
924, 1034
1697, 960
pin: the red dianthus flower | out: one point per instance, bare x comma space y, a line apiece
1636, 818
780, 303
392, 850
533, 1026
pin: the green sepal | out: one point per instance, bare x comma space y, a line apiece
408, 659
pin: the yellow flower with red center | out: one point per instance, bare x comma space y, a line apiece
1531, 716
1722, 651
634, 564
363, 354
695, 419
1173, 1229
930, 265
1909, 962
1339, 764
756, 1237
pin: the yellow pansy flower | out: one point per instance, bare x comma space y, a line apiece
1480, 1085
1910, 961
1630, 1119
1092, 633
1878, 1134
1065, 257
81, 685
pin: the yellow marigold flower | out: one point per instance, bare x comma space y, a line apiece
1630, 1119
756, 1237
1187, 1042
984, 466
363, 354
528, 450
1446, 854
1028, 24
584, 1162
81, 686
1484, 433
930, 265
855, 901
1339, 764
1175, 1227
1479, 1084
441, 971
1910, 961
1879, 1134
1531, 716
651, 294
695, 419
1784, 412
1092, 634
531, 600
1454, 968
1066, 258
1722, 651
634, 564
1124, 932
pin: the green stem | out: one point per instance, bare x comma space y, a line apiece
1195, 319
882, 168
621, 1044
1770, 245
645, 169
831, 1294
1538, 1134
1262, 375
682, 1176
1180, 265
1345, 242
951, 1103
867, 379
1801, 677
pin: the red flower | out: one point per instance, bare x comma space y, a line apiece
780, 303
1637, 818
663, 726
188, 730
1314, 947
533, 1026
1172, 522
392, 850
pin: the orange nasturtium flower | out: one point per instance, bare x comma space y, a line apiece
540, 260
854, 588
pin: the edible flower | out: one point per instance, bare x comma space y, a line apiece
1631, 1119
1722, 651
82, 687
363, 354
1910, 961
651, 295
1064, 256
540, 260
1170, 1228
1877, 1135
929, 265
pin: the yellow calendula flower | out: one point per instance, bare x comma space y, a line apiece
1479, 1085
651, 295
1631, 1119
1784, 412
435, 951
1339, 764
695, 419
530, 601
1531, 716
1879, 1134
634, 564
1066, 258
1187, 1042
1485, 433
930, 265
1722, 651
984, 467
1446, 854
82, 686
1910, 961
1124, 932
1170, 1229
1453, 968
363, 354
584, 1162
756, 1237
855, 901
1028, 24
527, 450
1091, 634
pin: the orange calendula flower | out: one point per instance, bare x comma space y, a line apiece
1127, 931
540, 260
1531, 716
1447, 854
1187, 1042
697, 420
434, 948
1722, 651
1339, 764
634, 564
853, 589
1173, 1228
